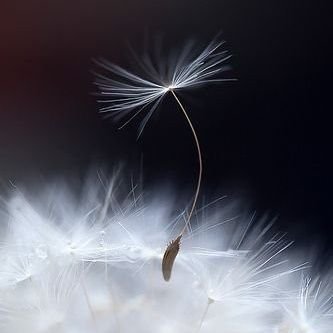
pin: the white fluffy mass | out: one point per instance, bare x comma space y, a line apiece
91, 263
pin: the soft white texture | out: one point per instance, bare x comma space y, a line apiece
93, 264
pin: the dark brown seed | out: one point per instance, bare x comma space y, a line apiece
169, 257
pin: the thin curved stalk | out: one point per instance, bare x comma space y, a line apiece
172, 249
202, 319
196, 195
86, 296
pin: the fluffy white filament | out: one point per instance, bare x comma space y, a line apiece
93, 265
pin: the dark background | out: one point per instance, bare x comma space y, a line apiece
265, 138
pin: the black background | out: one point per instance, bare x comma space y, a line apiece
265, 138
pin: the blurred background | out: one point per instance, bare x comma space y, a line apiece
265, 138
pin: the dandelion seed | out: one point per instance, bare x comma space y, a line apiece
169, 257
129, 92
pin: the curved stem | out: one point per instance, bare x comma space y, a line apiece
172, 249
196, 195
202, 319
86, 296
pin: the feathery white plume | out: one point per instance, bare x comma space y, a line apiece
123, 91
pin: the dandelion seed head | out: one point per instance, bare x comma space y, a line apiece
311, 310
123, 92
